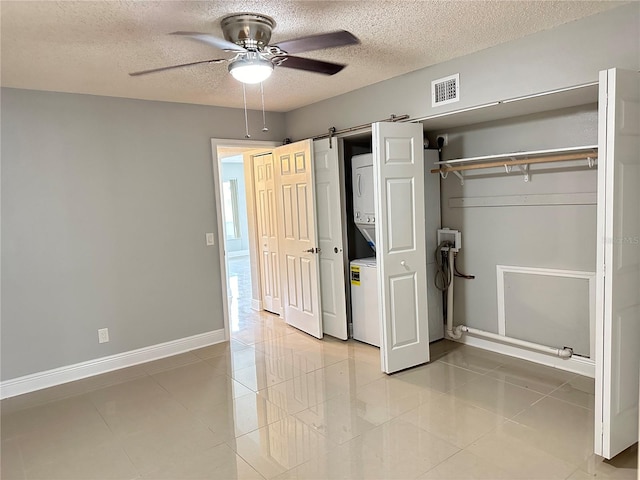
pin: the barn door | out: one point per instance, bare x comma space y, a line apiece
330, 237
618, 282
299, 249
400, 244
266, 216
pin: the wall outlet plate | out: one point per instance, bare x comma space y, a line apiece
103, 335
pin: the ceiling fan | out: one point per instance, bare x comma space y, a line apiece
247, 35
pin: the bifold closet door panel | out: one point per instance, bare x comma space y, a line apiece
400, 244
618, 276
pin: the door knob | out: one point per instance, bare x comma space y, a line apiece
403, 263
311, 250
336, 250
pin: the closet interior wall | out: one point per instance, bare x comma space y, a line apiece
562, 236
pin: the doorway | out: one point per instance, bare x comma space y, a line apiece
236, 235
233, 189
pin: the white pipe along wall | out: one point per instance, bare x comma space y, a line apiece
456, 332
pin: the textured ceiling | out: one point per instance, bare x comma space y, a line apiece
91, 46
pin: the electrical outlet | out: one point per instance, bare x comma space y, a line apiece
210, 239
103, 335
444, 137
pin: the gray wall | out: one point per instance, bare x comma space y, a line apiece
105, 206
235, 171
105, 201
565, 56
550, 236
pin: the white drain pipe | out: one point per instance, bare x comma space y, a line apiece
456, 332
565, 352
451, 332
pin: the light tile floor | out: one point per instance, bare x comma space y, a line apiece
275, 403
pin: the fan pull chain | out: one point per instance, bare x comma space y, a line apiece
264, 118
246, 120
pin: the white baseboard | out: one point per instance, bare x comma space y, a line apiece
575, 364
256, 304
69, 373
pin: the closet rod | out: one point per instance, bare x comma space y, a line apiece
524, 161
333, 132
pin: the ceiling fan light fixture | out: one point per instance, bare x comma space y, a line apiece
251, 68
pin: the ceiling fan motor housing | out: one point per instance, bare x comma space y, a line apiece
251, 30
247, 36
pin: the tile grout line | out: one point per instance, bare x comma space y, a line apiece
115, 436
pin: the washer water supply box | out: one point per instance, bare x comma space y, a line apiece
452, 236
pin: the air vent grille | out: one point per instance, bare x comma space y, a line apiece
445, 90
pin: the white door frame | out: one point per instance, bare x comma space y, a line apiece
249, 187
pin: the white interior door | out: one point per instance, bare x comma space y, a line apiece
298, 237
618, 282
330, 227
400, 244
266, 216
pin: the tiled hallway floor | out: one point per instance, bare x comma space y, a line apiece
276, 403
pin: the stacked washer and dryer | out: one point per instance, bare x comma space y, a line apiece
364, 272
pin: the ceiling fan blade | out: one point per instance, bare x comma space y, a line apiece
162, 69
316, 42
220, 43
310, 65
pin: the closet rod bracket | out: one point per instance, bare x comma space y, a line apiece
524, 169
460, 176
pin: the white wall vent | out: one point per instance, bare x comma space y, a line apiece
445, 90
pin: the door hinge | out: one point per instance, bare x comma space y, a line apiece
332, 132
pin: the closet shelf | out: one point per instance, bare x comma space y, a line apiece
521, 160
